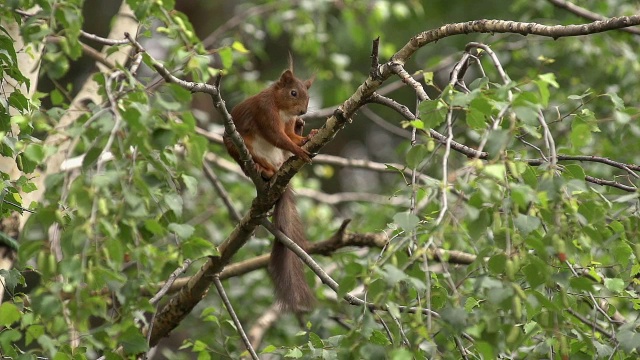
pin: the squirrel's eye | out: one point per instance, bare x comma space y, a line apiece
294, 93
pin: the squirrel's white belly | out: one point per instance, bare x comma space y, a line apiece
275, 156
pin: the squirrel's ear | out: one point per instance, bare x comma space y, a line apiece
309, 81
286, 77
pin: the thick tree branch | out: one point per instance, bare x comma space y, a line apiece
512, 27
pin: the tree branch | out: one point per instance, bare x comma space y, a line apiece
587, 14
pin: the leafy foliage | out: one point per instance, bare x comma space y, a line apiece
524, 245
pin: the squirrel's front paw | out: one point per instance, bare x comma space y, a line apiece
312, 133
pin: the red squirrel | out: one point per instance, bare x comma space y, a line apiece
269, 125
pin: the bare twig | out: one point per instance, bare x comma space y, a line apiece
382, 123
383, 100
213, 178
592, 324
461, 348
587, 14
87, 50
234, 317
101, 40
399, 70
163, 291
167, 285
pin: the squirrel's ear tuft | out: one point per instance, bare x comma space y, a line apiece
286, 77
309, 81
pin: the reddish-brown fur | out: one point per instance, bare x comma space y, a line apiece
268, 123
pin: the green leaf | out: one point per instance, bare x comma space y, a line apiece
622, 253
315, 340
629, 340
268, 349
614, 284
496, 171
392, 274
543, 90
471, 303
196, 148
573, 171
183, 231
476, 119
618, 103
196, 248
581, 283
527, 114
580, 134
604, 351
11, 279
132, 341
239, 47
461, 99
162, 138
294, 353
154, 227
416, 155
432, 113
418, 124
8, 338
526, 224
226, 57
18, 101
535, 272
406, 220
497, 264
191, 184
455, 317
33, 332
9, 313
91, 158
402, 354
379, 338
35, 153
497, 141
550, 79
174, 202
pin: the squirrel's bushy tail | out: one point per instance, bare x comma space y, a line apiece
287, 269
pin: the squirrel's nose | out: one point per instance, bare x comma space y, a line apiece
302, 112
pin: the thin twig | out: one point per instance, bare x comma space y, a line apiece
163, 291
167, 285
461, 348
234, 317
213, 178
587, 14
592, 324
399, 70
383, 124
